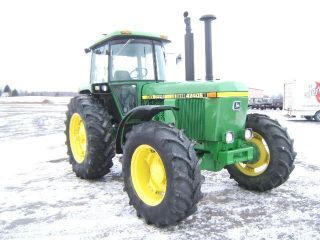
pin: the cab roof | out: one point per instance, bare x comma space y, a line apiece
125, 34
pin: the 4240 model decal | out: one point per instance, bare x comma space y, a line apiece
196, 95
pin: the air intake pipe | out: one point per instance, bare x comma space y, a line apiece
208, 44
189, 49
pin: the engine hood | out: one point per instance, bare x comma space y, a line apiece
154, 89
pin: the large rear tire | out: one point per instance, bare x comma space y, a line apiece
274, 156
161, 173
90, 137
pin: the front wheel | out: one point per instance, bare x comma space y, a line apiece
273, 156
161, 173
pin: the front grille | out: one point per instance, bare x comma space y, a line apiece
153, 102
190, 117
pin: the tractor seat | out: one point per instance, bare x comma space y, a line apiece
122, 75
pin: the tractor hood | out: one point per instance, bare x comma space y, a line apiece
158, 90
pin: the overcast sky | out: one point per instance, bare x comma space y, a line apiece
262, 43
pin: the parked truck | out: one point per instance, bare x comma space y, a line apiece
260, 103
276, 102
302, 99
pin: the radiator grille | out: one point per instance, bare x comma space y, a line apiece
191, 117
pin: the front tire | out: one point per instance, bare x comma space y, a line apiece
161, 173
90, 137
274, 156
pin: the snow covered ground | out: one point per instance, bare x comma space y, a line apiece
41, 198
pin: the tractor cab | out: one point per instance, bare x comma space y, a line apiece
124, 61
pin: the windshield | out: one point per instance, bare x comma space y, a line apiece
137, 59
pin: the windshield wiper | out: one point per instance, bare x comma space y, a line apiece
124, 46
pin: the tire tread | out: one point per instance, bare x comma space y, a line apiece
101, 146
282, 155
186, 181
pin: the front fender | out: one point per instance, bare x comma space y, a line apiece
85, 89
135, 116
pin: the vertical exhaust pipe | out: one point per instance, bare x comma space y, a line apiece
208, 44
188, 49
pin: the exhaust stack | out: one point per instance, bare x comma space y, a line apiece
208, 44
189, 49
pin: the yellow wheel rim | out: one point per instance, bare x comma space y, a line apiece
78, 138
263, 158
148, 175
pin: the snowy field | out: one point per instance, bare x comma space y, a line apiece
41, 198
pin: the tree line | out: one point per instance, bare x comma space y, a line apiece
7, 92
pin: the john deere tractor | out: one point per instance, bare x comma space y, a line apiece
169, 131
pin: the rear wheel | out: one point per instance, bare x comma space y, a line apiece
317, 116
90, 137
273, 156
309, 118
161, 173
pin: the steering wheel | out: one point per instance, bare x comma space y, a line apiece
138, 73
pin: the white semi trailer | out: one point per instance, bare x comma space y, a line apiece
302, 99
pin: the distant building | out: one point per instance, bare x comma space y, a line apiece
5, 94
255, 93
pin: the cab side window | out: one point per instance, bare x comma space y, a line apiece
99, 65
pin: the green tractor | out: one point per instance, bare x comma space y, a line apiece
169, 131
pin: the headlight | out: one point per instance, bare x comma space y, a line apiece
229, 137
248, 134
104, 88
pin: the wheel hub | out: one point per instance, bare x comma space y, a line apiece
261, 158
148, 175
157, 176
78, 138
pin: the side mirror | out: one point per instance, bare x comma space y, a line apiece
87, 50
99, 52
